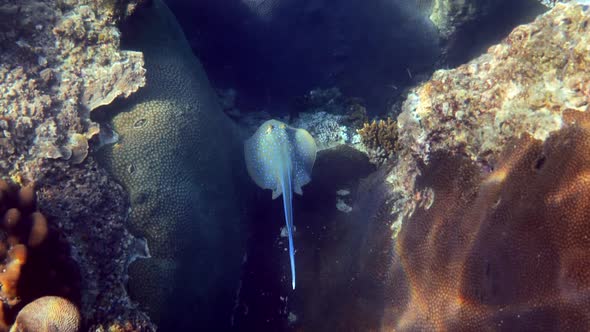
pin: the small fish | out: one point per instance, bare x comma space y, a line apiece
280, 157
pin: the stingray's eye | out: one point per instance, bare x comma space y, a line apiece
282, 126
269, 129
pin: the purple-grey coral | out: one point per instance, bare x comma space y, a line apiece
180, 185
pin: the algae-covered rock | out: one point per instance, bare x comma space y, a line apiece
468, 27
59, 60
174, 157
520, 86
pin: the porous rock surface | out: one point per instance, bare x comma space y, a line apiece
491, 224
522, 85
59, 60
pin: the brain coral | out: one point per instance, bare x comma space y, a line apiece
48, 314
174, 157
507, 250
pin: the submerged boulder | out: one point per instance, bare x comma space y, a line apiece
174, 155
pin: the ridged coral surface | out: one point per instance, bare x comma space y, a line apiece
508, 249
48, 314
174, 157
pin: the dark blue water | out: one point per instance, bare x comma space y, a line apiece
273, 55
275, 51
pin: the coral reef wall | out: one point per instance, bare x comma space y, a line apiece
175, 157
522, 85
59, 60
489, 219
485, 220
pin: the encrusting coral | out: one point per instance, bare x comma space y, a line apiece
48, 314
59, 61
508, 248
520, 85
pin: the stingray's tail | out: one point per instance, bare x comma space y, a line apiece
288, 207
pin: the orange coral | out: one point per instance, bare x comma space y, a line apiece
39, 229
33, 261
509, 250
17, 257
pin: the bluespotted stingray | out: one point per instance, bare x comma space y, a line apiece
280, 157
